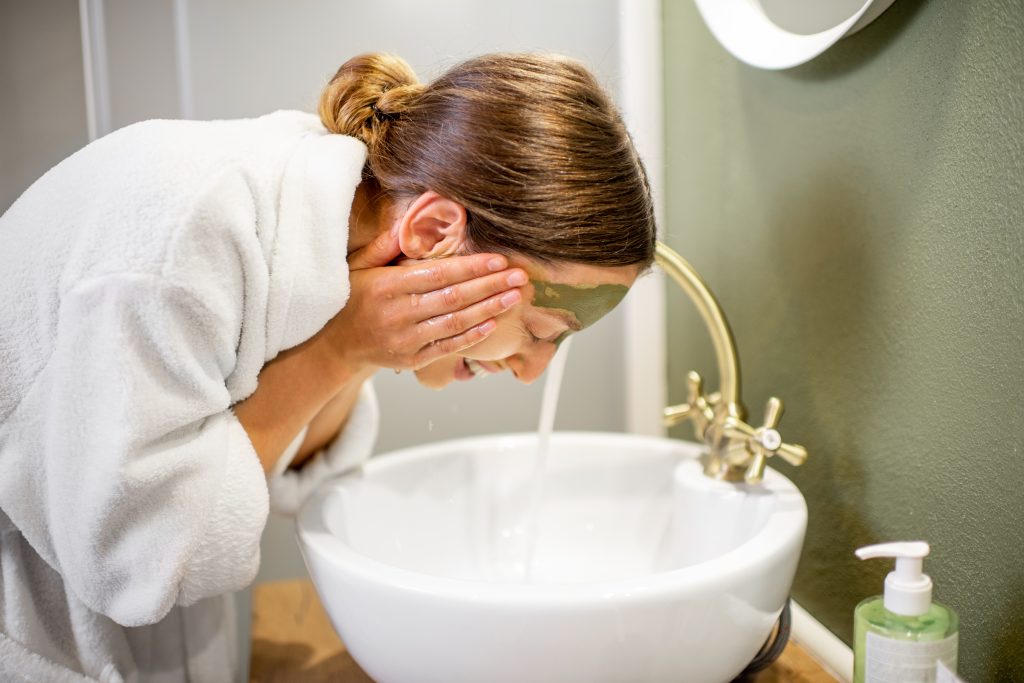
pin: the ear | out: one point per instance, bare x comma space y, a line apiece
432, 226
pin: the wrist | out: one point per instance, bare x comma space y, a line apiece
338, 361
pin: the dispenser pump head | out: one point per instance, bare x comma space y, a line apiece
908, 591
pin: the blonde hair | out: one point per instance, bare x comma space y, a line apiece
529, 144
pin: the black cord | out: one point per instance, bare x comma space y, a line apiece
772, 648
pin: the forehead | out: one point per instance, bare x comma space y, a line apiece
577, 274
578, 295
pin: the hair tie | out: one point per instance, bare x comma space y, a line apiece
381, 115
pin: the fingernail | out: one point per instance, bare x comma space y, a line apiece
487, 327
509, 299
517, 278
497, 263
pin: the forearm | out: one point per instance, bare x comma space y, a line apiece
292, 390
331, 419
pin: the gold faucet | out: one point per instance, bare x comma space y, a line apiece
737, 451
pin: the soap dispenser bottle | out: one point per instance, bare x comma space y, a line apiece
899, 636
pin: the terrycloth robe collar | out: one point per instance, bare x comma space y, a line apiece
308, 266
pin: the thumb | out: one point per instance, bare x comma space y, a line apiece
384, 249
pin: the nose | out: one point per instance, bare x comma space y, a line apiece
530, 364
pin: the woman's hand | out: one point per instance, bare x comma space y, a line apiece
407, 317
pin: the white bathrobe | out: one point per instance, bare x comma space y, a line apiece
144, 283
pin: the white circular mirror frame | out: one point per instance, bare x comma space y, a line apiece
745, 29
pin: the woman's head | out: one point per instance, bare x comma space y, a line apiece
558, 300
518, 154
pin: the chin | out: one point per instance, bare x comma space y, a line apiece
435, 377
435, 383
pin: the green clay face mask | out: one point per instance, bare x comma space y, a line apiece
580, 306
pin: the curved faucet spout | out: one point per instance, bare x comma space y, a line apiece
721, 335
737, 451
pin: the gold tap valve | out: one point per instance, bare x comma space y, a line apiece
737, 451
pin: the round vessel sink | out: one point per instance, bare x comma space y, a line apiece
642, 569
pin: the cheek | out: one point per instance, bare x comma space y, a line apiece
505, 341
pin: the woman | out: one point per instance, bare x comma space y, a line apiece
193, 306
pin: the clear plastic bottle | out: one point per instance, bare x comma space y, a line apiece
899, 636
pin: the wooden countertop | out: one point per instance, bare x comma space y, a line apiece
292, 640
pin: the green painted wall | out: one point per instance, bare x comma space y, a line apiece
861, 220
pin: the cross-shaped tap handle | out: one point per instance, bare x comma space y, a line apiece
697, 408
765, 441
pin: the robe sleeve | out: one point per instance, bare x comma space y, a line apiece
128, 472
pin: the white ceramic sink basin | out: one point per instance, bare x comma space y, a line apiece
644, 570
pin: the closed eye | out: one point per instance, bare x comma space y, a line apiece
549, 339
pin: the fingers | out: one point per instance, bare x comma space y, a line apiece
453, 332
436, 275
461, 296
444, 347
453, 324
410, 316
380, 252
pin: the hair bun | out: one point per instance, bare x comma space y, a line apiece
366, 95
